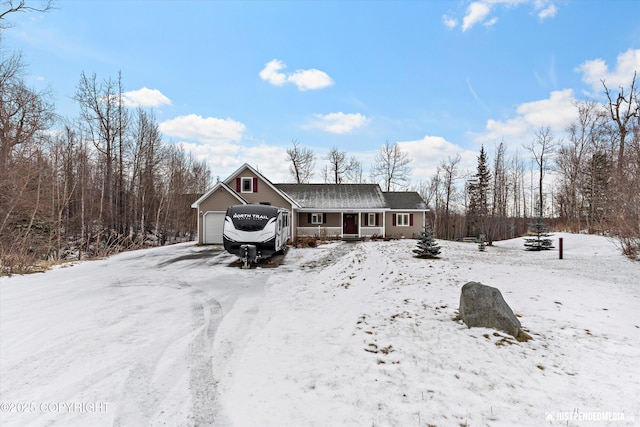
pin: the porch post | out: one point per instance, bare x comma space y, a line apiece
384, 224
294, 227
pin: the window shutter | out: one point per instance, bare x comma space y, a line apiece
377, 220
366, 219
394, 220
308, 218
255, 185
411, 219
238, 184
324, 218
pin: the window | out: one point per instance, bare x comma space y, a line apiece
247, 185
402, 220
317, 218
371, 220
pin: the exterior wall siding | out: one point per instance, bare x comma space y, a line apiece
400, 231
223, 197
218, 201
332, 219
264, 194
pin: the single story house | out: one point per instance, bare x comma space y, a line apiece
332, 210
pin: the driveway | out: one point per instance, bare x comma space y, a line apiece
134, 334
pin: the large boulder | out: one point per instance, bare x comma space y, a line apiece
483, 306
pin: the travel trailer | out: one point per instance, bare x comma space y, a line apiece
255, 231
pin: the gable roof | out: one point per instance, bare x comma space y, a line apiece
327, 196
336, 196
195, 204
404, 200
235, 174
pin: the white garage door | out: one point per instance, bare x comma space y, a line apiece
213, 222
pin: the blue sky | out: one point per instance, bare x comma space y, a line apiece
238, 81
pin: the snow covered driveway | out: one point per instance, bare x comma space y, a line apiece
343, 334
131, 338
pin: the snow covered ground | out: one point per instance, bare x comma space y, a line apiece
344, 334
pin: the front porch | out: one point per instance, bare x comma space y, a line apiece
338, 233
341, 225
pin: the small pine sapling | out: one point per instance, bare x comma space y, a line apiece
482, 245
538, 238
427, 245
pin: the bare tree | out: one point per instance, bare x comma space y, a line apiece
450, 173
391, 167
340, 169
625, 129
542, 149
303, 162
100, 107
517, 175
23, 112
622, 111
355, 174
12, 6
584, 136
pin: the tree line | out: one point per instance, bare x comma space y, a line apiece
102, 182
106, 180
585, 180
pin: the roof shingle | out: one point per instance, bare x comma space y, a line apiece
336, 196
404, 200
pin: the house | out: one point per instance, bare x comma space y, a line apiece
333, 210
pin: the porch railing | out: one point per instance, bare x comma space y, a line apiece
336, 232
371, 231
333, 232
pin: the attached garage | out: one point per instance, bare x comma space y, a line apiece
213, 223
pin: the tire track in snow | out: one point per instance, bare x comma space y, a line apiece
206, 317
142, 396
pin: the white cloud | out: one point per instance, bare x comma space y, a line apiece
217, 142
270, 160
338, 123
427, 153
223, 159
449, 22
145, 97
208, 130
310, 79
476, 12
490, 22
480, 12
271, 73
557, 112
548, 12
596, 70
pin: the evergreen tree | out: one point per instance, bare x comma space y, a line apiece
427, 245
481, 243
478, 190
538, 237
595, 187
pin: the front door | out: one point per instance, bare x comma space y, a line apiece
349, 225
